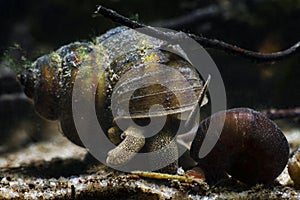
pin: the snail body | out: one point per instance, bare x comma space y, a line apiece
128, 58
251, 148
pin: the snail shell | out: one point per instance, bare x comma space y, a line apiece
49, 82
135, 59
251, 148
122, 54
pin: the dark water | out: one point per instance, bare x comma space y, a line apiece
260, 25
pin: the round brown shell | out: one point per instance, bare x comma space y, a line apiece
251, 148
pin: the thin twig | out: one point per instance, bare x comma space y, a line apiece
205, 42
195, 16
116, 17
282, 113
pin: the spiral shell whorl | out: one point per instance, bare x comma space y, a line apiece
49, 82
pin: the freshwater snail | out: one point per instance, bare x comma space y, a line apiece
251, 148
120, 54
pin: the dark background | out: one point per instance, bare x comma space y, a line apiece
32, 28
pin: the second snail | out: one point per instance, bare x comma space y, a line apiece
249, 142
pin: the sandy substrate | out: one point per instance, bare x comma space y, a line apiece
57, 169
